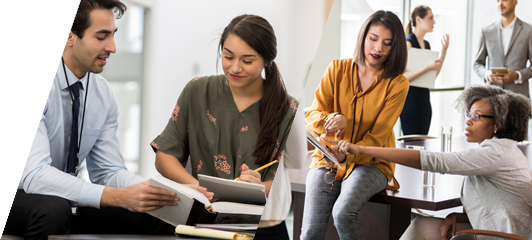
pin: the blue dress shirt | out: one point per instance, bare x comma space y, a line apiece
44, 171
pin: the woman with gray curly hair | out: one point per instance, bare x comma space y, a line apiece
497, 191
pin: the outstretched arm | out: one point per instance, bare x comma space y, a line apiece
407, 157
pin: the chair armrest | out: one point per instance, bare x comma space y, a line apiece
491, 233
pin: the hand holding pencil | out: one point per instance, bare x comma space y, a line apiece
252, 176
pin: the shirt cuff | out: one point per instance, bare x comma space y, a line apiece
423, 158
90, 195
519, 79
487, 76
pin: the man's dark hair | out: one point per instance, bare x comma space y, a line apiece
82, 20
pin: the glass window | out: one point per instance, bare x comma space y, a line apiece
354, 14
124, 71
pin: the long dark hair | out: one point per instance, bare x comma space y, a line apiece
396, 62
420, 11
259, 35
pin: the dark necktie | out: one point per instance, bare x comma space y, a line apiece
73, 149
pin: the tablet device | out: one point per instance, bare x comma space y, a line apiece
495, 70
314, 139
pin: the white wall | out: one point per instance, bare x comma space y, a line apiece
181, 43
328, 50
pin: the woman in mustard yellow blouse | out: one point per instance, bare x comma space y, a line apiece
358, 100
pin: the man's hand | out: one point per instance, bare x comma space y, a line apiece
502, 78
248, 175
139, 197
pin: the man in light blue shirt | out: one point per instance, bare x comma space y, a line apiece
48, 187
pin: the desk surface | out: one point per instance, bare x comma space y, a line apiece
119, 237
412, 194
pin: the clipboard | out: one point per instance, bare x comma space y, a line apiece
313, 137
419, 58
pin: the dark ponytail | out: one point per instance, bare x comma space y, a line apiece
408, 28
259, 35
420, 11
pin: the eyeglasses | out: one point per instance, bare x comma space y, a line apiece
476, 117
329, 178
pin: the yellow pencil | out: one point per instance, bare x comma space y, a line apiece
263, 167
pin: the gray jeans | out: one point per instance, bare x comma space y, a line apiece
345, 200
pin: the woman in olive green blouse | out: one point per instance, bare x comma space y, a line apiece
233, 123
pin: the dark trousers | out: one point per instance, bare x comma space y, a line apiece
36, 216
417, 112
278, 232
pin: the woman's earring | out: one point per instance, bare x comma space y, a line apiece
494, 131
263, 74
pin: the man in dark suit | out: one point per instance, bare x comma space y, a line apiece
506, 43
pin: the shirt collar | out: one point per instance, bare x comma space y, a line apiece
511, 25
71, 77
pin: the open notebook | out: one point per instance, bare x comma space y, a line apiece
193, 207
233, 191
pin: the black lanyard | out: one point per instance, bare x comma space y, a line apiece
76, 110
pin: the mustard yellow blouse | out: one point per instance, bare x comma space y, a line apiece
371, 114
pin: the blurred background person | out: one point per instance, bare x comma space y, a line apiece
417, 112
506, 43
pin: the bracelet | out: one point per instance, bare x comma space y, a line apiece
337, 114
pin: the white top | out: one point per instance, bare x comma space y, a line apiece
280, 197
506, 35
497, 189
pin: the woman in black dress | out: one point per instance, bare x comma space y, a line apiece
417, 112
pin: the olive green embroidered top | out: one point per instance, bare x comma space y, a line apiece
206, 126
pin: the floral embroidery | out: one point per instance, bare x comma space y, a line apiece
200, 164
221, 164
275, 150
293, 104
196, 79
227, 82
154, 145
280, 155
175, 112
211, 118
244, 129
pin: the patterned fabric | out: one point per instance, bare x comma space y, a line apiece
206, 126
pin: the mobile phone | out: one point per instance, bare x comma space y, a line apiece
495, 70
